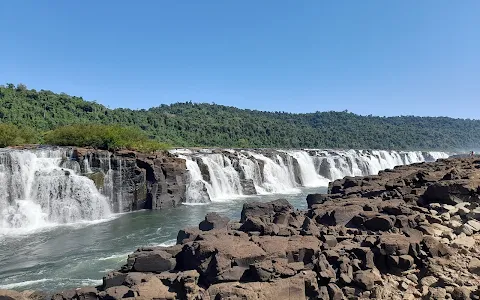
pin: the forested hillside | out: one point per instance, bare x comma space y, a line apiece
189, 124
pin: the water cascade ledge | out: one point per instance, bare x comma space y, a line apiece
49, 186
220, 175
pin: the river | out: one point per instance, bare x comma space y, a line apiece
80, 254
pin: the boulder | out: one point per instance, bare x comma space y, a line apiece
215, 254
264, 209
213, 221
300, 286
253, 224
153, 288
436, 248
452, 192
187, 235
366, 279
313, 199
379, 223
337, 216
156, 261
113, 278
474, 266
118, 292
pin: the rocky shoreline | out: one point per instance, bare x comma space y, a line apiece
408, 233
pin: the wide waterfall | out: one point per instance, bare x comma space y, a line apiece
40, 188
50, 186
217, 175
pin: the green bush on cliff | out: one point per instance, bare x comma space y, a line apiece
108, 137
11, 135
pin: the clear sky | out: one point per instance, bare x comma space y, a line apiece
370, 57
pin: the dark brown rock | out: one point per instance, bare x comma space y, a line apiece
313, 199
213, 221
265, 209
379, 223
435, 248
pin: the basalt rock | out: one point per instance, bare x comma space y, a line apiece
134, 180
265, 210
213, 221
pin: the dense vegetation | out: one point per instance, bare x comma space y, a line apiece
190, 124
11, 135
110, 137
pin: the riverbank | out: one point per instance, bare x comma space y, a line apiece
408, 233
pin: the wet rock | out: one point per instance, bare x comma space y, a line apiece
248, 187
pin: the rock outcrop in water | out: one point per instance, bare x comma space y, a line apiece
408, 233
134, 180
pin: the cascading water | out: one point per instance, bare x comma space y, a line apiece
38, 192
223, 175
310, 177
43, 187
225, 181
198, 190
278, 178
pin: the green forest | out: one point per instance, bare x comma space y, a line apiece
47, 117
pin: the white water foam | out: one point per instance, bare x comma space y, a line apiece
24, 283
37, 193
219, 176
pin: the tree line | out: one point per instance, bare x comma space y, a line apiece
39, 113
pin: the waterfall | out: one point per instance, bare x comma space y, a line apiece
198, 190
217, 175
37, 190
310, 177
45, 187
278, 178
225, 181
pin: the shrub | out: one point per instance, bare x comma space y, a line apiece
107, 137
11, 135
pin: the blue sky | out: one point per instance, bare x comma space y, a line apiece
370, 57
